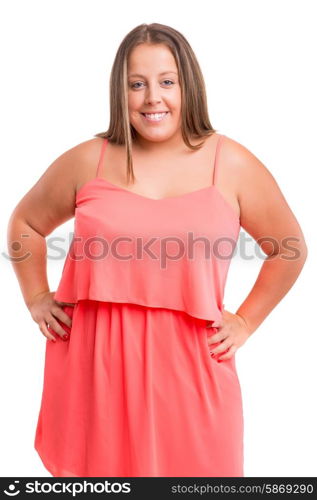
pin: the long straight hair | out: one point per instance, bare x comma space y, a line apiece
194, 113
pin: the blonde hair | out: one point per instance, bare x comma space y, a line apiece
194, 112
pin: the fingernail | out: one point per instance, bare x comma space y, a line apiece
65, 337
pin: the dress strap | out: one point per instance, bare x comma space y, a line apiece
102, 152
214, 174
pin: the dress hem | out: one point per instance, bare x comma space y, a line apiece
51, 468
212, 316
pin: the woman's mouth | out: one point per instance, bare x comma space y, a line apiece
154, 117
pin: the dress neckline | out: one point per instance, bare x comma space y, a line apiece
163, 200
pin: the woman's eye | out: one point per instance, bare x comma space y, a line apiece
133, 85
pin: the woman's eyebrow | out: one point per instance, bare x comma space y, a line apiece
163, 73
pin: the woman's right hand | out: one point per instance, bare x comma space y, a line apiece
46, 312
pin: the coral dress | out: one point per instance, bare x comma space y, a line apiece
134, 392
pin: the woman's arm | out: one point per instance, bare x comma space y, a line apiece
48, 204
266, 216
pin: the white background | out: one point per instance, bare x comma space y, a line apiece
258, 59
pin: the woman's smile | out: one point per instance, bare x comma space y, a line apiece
155, 117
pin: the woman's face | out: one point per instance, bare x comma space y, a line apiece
153, 87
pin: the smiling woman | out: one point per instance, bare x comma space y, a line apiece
140, 387
156, 71
155, 105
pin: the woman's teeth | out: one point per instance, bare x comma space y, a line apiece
154, 116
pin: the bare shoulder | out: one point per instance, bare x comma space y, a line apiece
88, 154
264, 211
243, 163
52, 199
80, 162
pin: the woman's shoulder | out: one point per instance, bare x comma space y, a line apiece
261, 200
232, 149
86, 156
244, 163
89, 149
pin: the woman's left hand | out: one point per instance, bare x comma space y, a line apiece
232, 333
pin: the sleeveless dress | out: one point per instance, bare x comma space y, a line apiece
135, 392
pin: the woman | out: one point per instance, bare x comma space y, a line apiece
140, 376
